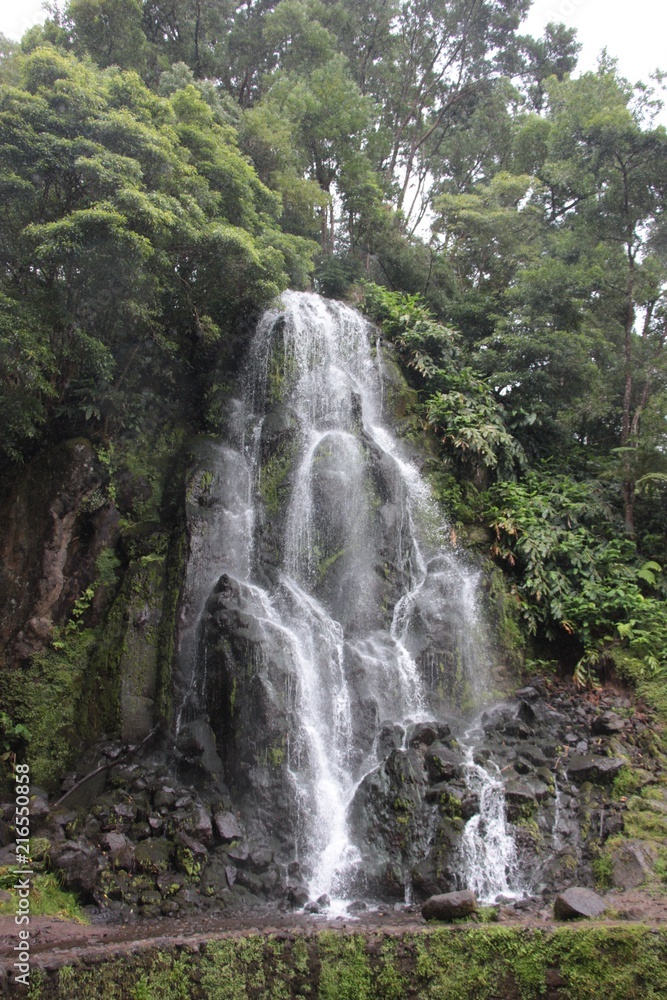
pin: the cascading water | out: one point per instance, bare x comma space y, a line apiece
338, 611
490, 862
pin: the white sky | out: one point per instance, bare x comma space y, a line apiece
635, 31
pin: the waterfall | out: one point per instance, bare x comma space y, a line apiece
340, 607
489, 857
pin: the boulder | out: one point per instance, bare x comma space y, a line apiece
443, 764
588, 767
154, 854
120, 849
450, 906
632, 861
578, 902
80, 864
607, 724
227, 826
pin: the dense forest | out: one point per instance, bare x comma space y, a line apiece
169, 166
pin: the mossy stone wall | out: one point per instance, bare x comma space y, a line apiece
446, 963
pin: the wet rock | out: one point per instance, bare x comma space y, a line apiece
612, 824
260, 859
169, 883
297, 897
196, 742
227, 826
469, 805
120, 849
443, 764
154, 854
529, 693
39, 807
607, 724
142, 830
588, 767
164, 797
437, 872
239, 852
390, 737
532, 753
426, 733
526, 713
632, 861
190, 854
578, 902
517, 728
125, 811
527, 789
81, 865
357, 906
199, 824
450, 906
253, 883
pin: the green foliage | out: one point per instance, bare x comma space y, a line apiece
49, 706
13, 738
122, 210
573, 575
47, 897
459, 406
625, 963
603, 872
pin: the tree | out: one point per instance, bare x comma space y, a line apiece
121, 211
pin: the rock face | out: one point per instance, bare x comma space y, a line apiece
450, 906
46, 523
578, 902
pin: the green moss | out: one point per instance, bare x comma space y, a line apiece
484, 961
603, 871
345, 972
504, 612
45, 700
626, 783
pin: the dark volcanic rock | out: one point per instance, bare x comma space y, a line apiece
227, 826
588, 767
578, 902
81, 865
443, 764
450, 906
607, 724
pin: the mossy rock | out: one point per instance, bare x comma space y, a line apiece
154, 855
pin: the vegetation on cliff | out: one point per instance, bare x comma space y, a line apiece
168, 168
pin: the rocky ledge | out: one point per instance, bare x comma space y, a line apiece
585, 799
